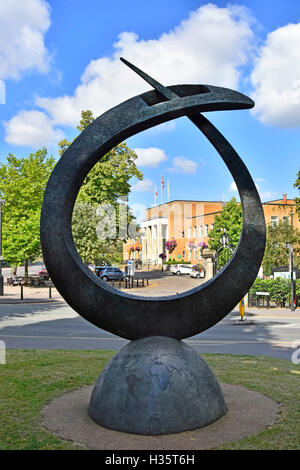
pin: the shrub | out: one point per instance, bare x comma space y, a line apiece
278, 288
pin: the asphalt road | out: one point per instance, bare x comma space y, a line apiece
56, 326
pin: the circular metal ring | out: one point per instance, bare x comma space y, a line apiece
123, 314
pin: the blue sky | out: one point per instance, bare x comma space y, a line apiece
61, 56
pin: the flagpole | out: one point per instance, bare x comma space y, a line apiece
168, 190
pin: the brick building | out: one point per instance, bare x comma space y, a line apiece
188, 224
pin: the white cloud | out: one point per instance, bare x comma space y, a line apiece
150, 156
164, 127
233, 188
276, 78
190, 53
267, 195
2, 92
183, 165
143, 185
22, 28
31, 128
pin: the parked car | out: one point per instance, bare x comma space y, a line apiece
13, 281
181, 269
197, 273
43, 275
99, 269
109, 273
4, 264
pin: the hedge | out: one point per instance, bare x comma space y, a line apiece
278, 288
178, 261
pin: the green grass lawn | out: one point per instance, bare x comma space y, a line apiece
30, 379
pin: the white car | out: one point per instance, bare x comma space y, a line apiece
181, 269
197, 274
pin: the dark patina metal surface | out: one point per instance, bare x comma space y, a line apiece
157, 386
124, 314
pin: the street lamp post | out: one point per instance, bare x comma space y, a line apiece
225, 242
2, 201
291, 263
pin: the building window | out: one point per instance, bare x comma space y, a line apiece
206, 230
286, 219
274, 219
211, 226
183, 254
190, 253
190, 232
200, 231
195, 253
195, 231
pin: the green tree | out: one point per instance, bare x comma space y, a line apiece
110, 178
86, 119
297, 199
22, 185
230, 219
84, 223
63, 144
279, 236
91, 247
106, 183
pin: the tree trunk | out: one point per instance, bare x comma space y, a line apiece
13, 271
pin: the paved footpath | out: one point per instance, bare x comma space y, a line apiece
160, 284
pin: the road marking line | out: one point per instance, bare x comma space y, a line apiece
195, 341
287, 325
61, 337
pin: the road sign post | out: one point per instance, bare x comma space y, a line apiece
242, 309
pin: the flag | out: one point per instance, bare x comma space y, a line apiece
155, 195
162, 186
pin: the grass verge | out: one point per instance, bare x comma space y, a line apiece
30, 379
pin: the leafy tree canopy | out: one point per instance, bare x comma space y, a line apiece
107, 183
22, 185
279, 236
230, 219
92, 248
109, 179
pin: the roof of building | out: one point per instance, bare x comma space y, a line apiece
186, 200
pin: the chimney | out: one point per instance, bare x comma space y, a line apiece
284, 198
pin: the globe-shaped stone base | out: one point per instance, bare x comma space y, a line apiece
154, 386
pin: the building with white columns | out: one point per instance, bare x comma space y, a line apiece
187, 224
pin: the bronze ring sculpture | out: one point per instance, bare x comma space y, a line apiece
126, 315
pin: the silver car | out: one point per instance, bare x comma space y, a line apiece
110, 273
